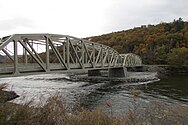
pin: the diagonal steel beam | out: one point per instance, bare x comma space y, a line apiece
76, 54
8, 54
99, 53
4, 43
112, 57
35, 58
34, 52
115, 60
104, 59
58, 54
88, 54
72, 58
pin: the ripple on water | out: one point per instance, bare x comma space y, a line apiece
91, 94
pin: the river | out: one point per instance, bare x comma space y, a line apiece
170, 90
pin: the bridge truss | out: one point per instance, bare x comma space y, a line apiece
25, 53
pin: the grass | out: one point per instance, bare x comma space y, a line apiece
54, 112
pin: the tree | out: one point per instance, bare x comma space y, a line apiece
179, 24
178, 57
156, 44
161, 55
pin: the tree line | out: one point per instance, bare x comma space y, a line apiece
164, 43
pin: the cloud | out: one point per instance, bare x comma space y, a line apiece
125, 14
80, 18
86, 17
15, 23
178, 8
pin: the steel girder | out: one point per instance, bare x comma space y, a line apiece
131, 60
59, 52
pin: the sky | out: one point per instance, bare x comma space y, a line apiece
84, 18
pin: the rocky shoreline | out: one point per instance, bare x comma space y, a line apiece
6, 96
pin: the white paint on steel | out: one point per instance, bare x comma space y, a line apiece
70, 52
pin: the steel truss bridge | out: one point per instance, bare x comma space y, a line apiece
36, 53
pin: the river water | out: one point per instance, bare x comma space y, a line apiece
171, 90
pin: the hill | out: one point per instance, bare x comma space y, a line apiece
164, 43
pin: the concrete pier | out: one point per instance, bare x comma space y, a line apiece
94, 72
117, 72
111, 72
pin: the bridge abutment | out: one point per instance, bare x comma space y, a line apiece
110, 72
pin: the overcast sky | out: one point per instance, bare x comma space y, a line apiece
83, 18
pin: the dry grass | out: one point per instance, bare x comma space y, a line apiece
54, 112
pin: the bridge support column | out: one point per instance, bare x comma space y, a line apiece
47, 55
67, 53
94, 55
101, 56
117, 72
16, 57
25, 52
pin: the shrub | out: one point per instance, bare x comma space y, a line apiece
54, 112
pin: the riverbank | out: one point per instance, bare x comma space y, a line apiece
164, 70
54, 112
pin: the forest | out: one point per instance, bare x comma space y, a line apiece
162, 44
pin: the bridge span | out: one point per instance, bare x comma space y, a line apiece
45, 53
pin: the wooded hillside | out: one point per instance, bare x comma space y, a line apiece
165, 43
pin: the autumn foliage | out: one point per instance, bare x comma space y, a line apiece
165, 43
